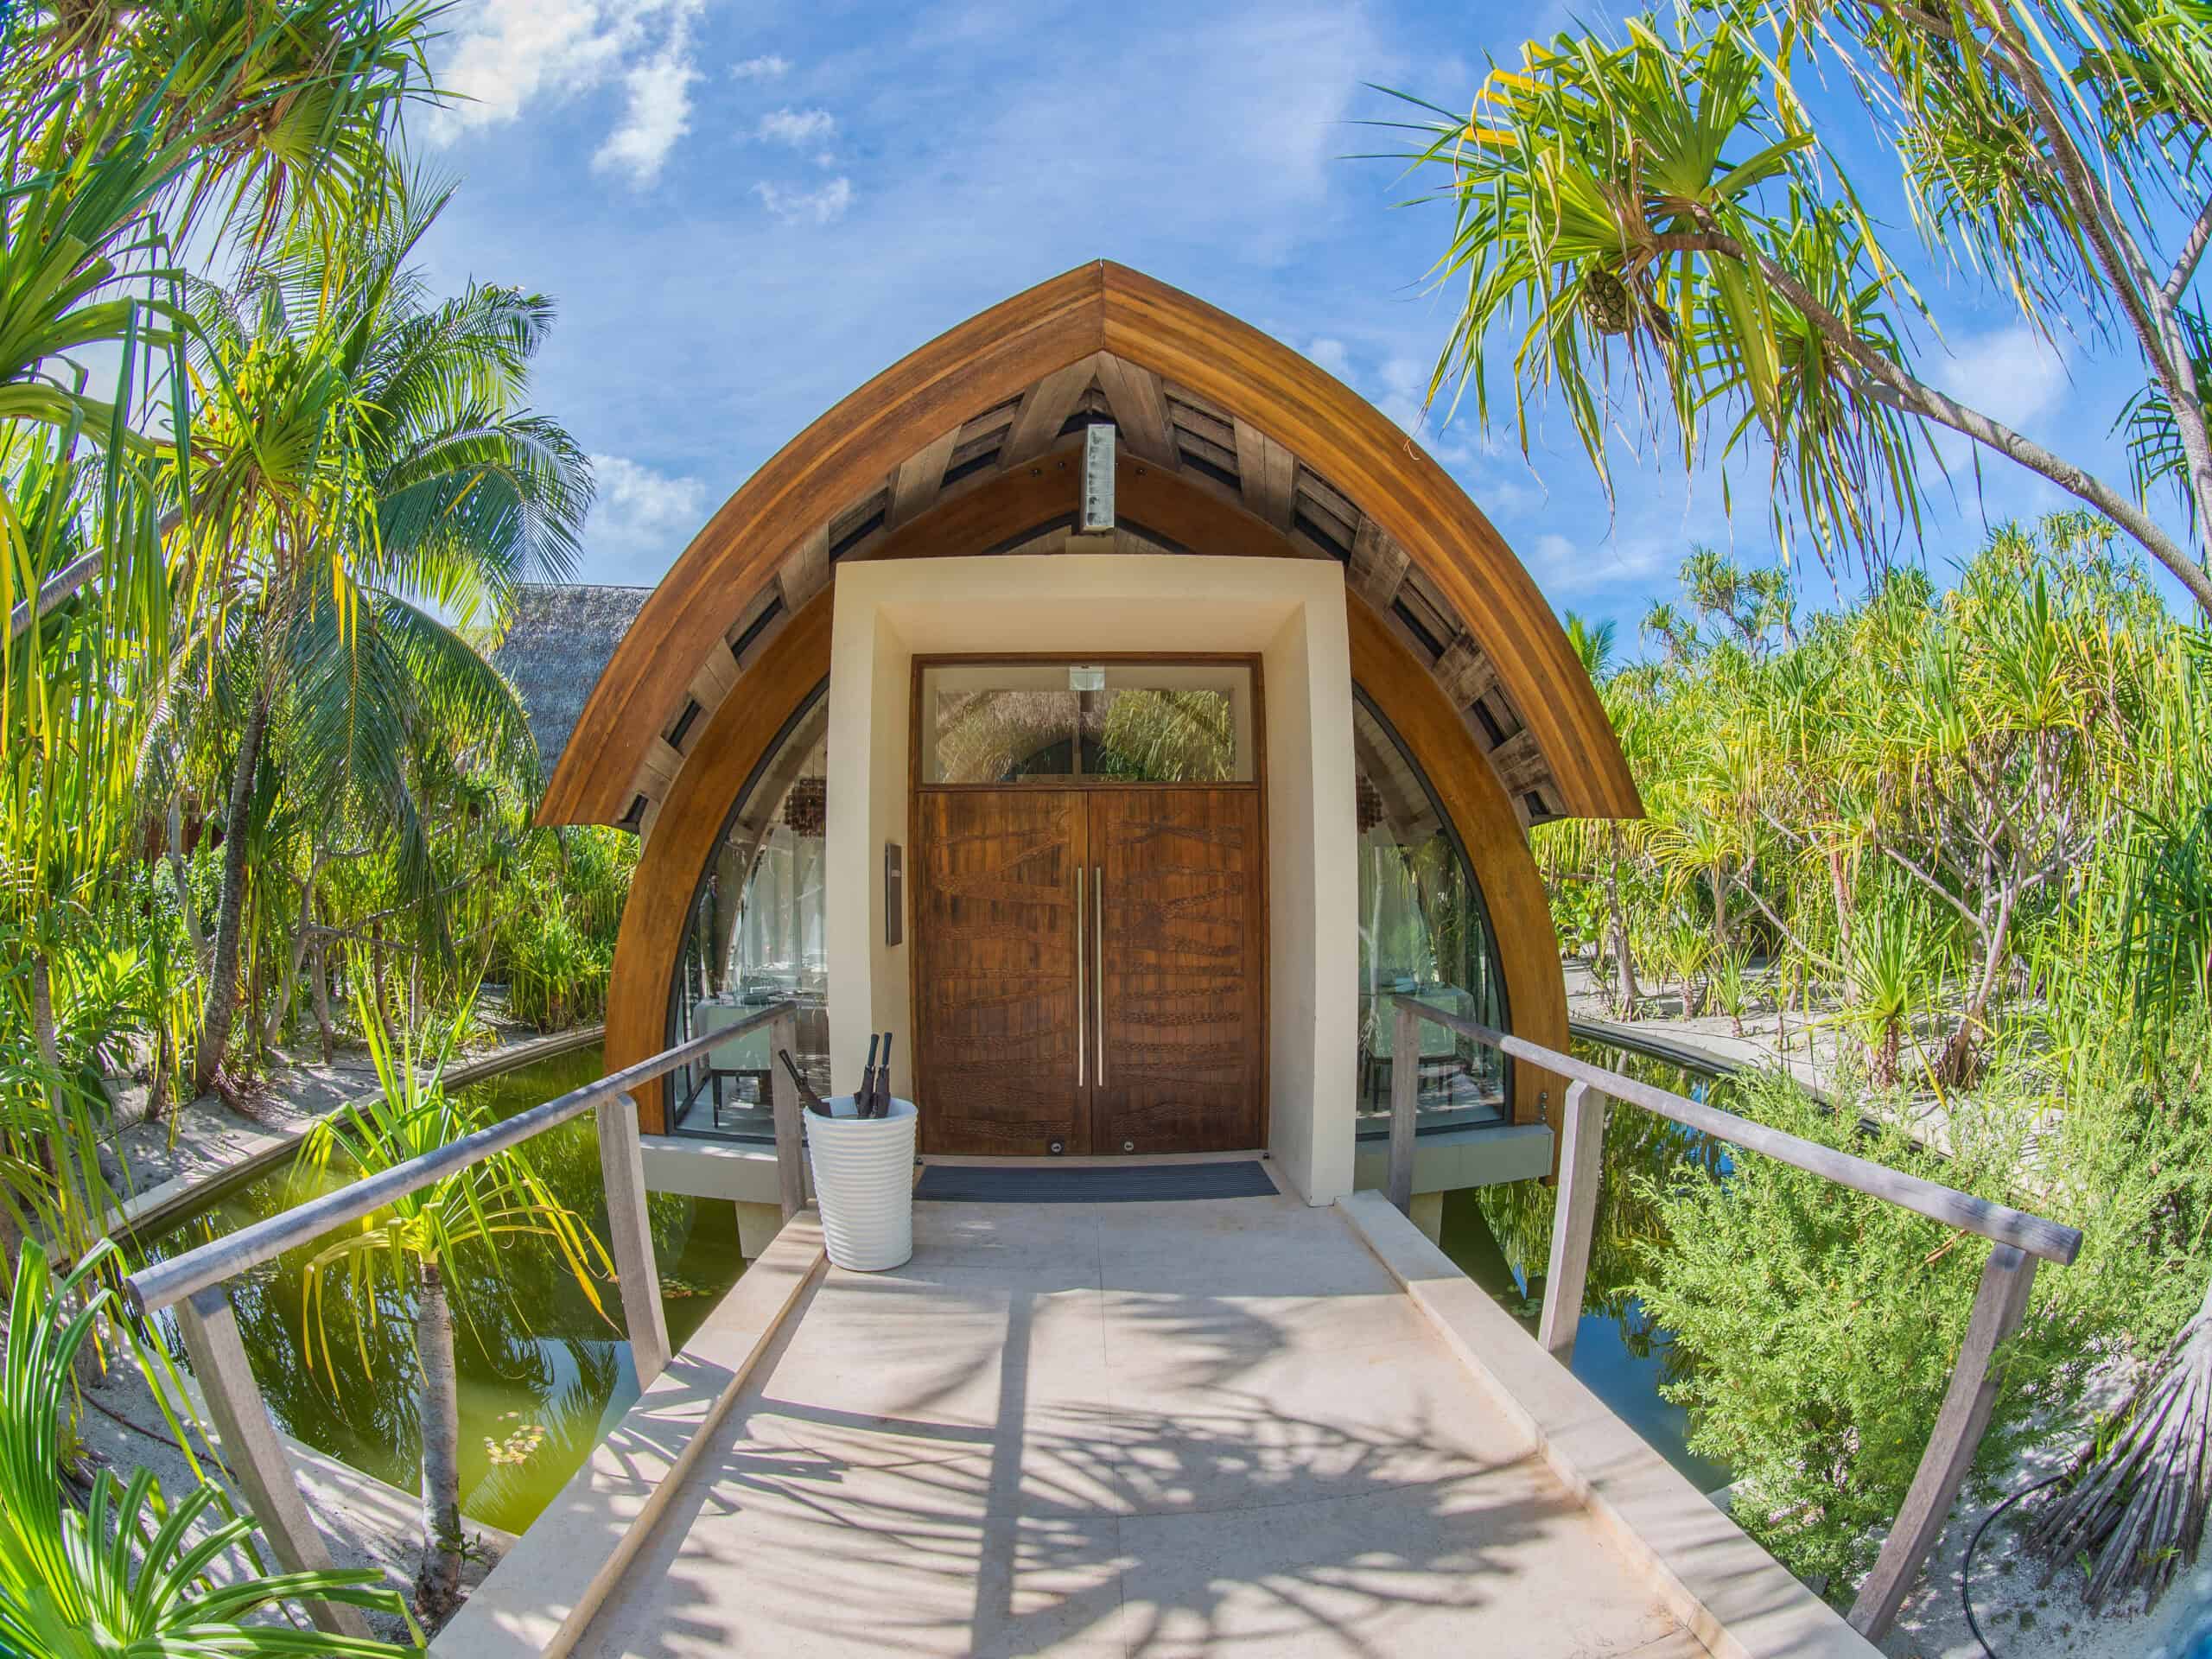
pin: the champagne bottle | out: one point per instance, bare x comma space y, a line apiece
866, 1091
881, 1105
808, 1098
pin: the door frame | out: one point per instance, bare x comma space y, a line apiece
1258, 784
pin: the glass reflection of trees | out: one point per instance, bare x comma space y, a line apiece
754, 937
1128, 734
1423, 929
1146, 735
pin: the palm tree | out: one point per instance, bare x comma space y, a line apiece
1592, 643
414, 1246
119, 124
362, 455
126, 1573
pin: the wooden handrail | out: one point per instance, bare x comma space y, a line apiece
2052, 1241
161, 1283
2000, 1304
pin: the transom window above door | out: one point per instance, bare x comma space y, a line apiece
1065, 722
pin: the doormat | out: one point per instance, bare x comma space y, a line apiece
1093, 1183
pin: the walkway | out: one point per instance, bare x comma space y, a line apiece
1149, 1429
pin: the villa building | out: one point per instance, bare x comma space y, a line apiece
1118, 708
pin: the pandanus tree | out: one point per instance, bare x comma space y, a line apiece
423, 1246
1653, 229
362, 459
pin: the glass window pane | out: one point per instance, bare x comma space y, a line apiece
755, 938
1160, 735
1120, 722
999, 734
1423, 929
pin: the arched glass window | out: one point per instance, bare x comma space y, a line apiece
1423, 928
755, 937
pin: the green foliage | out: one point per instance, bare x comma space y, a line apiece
130, 1572
1922, 806
559, 910
1652, 226
1817, 1329
2169, 921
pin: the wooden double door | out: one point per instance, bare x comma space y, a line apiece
1090, 969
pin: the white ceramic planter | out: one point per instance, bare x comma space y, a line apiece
863, 1172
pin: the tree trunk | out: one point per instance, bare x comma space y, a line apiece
1719, 885
1961, 1054
288, 982
184, 889
322, 997
437, 1586
1624, 960
221, 1005
49, 1051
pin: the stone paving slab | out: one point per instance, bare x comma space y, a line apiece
1187, 1429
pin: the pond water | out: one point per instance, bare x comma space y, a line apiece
543, 1374
1500, 1238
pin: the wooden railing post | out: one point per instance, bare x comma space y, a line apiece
783, 1091
621, 1162
1574, 1217
1998, 1307
1405, 1103
250, 1447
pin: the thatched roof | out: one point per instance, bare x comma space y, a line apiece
562, 636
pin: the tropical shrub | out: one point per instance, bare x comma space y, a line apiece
128, 1571
1817, 1328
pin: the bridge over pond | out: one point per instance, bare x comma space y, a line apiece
1203, 1426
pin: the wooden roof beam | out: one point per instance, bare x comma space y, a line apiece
1044, 410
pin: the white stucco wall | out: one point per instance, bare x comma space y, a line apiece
1289, 611
1312, 900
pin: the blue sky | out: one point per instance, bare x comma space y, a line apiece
745, 212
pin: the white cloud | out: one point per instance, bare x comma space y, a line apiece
796, 128
658, 113
769, 67
824, 206
517, 51
640, 510
2012, 374
1552, 555
1331, 354
1609, 559
1405, 390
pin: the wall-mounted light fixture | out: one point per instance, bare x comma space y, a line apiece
1095, 512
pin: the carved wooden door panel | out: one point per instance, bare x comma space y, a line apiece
997, 971
1180, 915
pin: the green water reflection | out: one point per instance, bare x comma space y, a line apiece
543, 1375
1500, 1237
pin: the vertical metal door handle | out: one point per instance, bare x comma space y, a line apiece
1080, 1041
1098, 943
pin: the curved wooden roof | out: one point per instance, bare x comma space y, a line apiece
1206, 405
